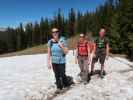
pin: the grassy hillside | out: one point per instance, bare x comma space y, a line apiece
34, 50
43, 49
39, 49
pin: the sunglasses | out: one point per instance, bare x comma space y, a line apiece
82, 36
55, 32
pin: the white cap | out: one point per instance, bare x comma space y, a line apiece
82, 35
55, 30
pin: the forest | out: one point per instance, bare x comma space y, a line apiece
115, 15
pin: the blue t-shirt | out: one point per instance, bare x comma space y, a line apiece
57, 53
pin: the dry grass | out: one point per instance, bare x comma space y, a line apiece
39, 49
34, 50
43, 49
72, 42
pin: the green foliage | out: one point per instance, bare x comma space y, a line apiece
115, 15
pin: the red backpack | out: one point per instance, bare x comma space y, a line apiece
82, 48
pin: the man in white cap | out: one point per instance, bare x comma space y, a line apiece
83, 57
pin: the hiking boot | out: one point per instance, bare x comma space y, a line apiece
91, 73
102, 74
80, 74
58, 91
88, 78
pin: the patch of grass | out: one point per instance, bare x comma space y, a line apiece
40, 49
29, 51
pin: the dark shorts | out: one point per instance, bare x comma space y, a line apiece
100, 55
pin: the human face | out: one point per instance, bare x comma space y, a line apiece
102, 33
82, 38
55, 35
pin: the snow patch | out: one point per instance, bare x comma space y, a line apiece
28, 78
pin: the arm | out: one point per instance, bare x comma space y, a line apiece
49, 59
94, 49
107, 49
76, 55
89, 56
49, 54
64, 47
88, 50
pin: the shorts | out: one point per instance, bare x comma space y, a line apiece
100, 55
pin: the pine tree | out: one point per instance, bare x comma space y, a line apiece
126, 25
29, 33
72, 20
36, 34
45, 30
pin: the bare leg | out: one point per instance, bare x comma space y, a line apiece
86, 69
92, 68
102, 67
81, 65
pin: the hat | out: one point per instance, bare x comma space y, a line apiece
82, 34
55, 30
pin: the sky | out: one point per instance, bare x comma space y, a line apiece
13, 12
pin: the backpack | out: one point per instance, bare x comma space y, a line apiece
82, 49
69, 81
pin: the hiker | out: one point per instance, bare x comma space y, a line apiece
83, 57
100, 52
57, 49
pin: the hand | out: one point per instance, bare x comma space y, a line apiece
49, 65
76, 61
93, 55
61, 45
107, 57
89, 61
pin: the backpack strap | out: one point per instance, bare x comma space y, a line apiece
51, 44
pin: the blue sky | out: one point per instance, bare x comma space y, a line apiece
12, 12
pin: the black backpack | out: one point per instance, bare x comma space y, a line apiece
70, 80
